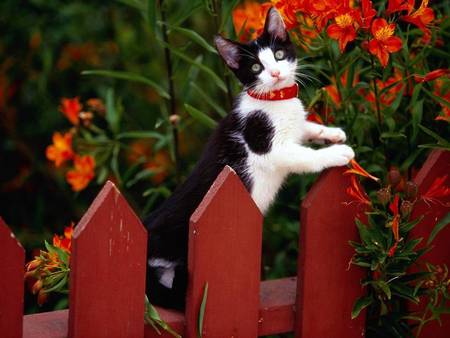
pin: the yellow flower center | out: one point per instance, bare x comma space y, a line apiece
344, 20
384, 33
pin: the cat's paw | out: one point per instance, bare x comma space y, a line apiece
338, 155
333, 135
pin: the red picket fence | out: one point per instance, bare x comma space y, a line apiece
108, 263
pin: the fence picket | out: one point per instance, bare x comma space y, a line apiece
326, 289
225, 251
11, 283
108, 264
437, 165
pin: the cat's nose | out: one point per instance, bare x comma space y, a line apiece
275, 73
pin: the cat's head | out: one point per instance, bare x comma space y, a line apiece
264, 64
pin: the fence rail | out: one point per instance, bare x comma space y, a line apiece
108, 263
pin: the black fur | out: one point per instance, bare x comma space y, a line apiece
168, 225
258, 132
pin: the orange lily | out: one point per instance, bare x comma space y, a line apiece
83, 172
356, 192
367, 13
358, 170
71, 109
421, 18
399, 5
345, 27
393, 249
61, 149
395, 221
437, 190
433, 75
384, 42
65, 242
249, 19
445, 95
288, 10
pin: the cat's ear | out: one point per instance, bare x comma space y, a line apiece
274, 25
228, 50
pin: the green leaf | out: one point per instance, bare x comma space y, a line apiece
384, 287
200, 116
129, 77
152, 10
63, 282
209, 100
386, 135
440, 140
438, 227
113, 115
360, 304
201, 66
201, 314
140, 134
227, 9
417, 112
194, 36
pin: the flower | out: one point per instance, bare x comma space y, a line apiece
395, 220
64, 242
437, 190
288, 10
315, 117
393, 249
367, 13
421, 18
332, 89
71, 108
249, 19
356, 192
61, 149
345, 27
83, 172
387, 97
433, 75
399, 5
323, 10
358, 170
444, 94
384, 42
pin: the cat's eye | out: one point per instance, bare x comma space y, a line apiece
280, 54
256, 68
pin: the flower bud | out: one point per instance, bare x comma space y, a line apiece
384, 195
86, 118
410, 191
42, 297
394, 177
406, 208
37, 286
174, 119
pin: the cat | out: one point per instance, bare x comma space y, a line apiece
261, 139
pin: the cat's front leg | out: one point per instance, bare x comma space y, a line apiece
313, 132
300, 159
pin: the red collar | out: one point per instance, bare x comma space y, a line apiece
275, 95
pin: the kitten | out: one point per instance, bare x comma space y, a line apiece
261, 139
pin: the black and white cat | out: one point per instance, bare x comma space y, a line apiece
261, 139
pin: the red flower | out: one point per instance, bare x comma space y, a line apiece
437, 190
384, 42
61, 149
367, 13
71, 108
358, 170
356, 192
395, 221
421, 18
314, 117
345, 27
288, 10
445, 95
82, 174
400, 5
323, 10
393, 249
65, 242
433, 75
395, 85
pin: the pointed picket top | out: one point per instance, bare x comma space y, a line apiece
225, 237
108, 265
326, 289
11, 282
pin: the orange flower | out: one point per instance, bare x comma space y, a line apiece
61, 149
160, 165
395, 221
345, 27
395, 85
393, 249
71, 108
83, 172
445, 95
288, 10
332, 89
65, 242
384, 42
323, 10
437, 190
249, 19
421, 18
356, 192
358, 170
314, 117
433, 75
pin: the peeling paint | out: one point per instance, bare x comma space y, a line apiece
120, 225
110, 247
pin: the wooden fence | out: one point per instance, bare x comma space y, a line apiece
108, 263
